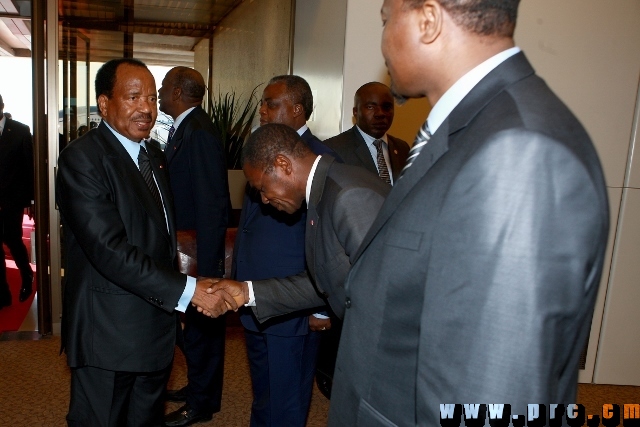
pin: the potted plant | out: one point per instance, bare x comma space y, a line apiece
233, 120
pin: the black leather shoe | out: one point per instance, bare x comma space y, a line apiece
185, 416
177, 395
26, 289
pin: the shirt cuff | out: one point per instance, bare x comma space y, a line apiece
320, 316
187, 295
252, 296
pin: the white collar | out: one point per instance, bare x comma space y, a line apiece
181, 117
456, 93
310, 178
303, 129
368, 139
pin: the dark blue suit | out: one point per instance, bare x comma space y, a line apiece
198, 174
282, 352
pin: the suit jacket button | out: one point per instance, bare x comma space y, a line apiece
244, 230
347, 302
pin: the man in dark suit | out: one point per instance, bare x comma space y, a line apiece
367, 143
198, 175
282, 352
343, 201
476, 282
121, 290
16, 193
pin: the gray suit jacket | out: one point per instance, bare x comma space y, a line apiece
353, 150
343, 203
477, 280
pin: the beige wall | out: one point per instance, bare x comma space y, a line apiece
588, 51
251, 45
318, 58
363, 62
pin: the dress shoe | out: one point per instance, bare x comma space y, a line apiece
185, 416
179, 395
26, 289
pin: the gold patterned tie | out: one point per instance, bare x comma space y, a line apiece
383, 170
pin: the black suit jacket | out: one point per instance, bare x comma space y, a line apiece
353, 150
16, 165
198, 173
343, 203
477, 280
120, 285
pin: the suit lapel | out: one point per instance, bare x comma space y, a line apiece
129, 172
510, 71
313, 219
362, 151
176, 141
158, 165
394, 157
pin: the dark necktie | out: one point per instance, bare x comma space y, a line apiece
172, 130
383, 170
421, 140
145, 169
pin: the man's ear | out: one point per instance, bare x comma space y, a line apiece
430, 20
103, 102
177, 93
283, 163
298, 110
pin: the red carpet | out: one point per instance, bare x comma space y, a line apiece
12, 317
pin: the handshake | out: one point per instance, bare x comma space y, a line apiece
214, 297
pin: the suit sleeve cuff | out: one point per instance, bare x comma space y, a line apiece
187, 295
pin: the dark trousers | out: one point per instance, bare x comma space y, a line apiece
102, 398
282, 371
204, 353
11, 235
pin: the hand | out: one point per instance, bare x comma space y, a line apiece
211, 304
238, 290
316, 324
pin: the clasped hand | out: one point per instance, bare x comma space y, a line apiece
213, 297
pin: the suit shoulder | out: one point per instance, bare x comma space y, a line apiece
401, 143
199, 120
353, 177
338, 141
18, 126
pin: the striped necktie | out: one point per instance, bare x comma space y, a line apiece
147, 173
421, 140
383, 170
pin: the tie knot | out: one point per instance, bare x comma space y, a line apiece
143, 154
172, 130
378, 143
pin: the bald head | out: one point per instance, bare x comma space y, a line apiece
373, 109
182, 88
